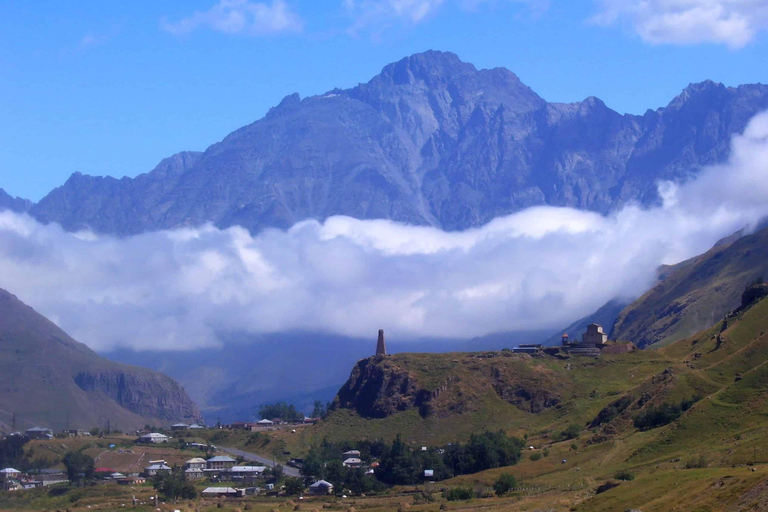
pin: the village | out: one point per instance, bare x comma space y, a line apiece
214, 472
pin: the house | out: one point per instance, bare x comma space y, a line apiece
353, 462
11, 485
196, 463
530, 348
9, 474
132, 480
321, 487
39, 433
220, 462
245, 473
216, 492
154, 469
77, 432
116, 476
265, 423
195, 426
310, 421
154, 438
194, 473
595, 336
179, 426
351, 453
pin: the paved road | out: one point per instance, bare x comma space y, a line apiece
252, 457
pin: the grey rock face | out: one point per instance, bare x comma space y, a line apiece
16, 204
430, 140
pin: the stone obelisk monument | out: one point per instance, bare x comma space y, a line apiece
381, 347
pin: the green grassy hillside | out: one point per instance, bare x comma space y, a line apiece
702, 459
696, 293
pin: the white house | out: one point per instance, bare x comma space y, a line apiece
353, 462
154, 469
196, 463
220, 462
154, 438
8, 474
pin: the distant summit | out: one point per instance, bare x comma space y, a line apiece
430, 140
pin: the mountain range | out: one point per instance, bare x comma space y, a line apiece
48, 379
431, 140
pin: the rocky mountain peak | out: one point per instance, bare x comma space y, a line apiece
430, 67
705, 93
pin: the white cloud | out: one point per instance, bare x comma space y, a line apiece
240, 17
731, 22
538, 268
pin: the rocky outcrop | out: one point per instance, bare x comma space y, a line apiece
376, 388
430, 140
145, 393
381, 386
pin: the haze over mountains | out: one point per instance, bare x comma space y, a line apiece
430, 140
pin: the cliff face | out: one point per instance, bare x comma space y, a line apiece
430, 140
441, 385
148, 394
49, 379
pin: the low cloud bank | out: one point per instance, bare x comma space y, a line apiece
538, 268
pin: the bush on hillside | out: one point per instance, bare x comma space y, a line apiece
624, 475
460, 494
535, 456
572, 431
696, 462
663, 414
504, 484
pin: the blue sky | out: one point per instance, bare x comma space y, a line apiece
111, 89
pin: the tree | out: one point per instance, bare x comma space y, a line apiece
80, 467
319, 410
12, 451
294, 486
280, 410
504, 484
174, 485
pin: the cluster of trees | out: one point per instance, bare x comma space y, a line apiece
174, 485
663, 414
81, 467
401, 464
282, 410
12, 452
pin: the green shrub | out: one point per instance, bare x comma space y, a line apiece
535, 456
624, 475
545, 452
663, 414
572, 431
574, 446
460, 494
700, 462
504, 484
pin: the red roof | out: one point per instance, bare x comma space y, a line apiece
104, 470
